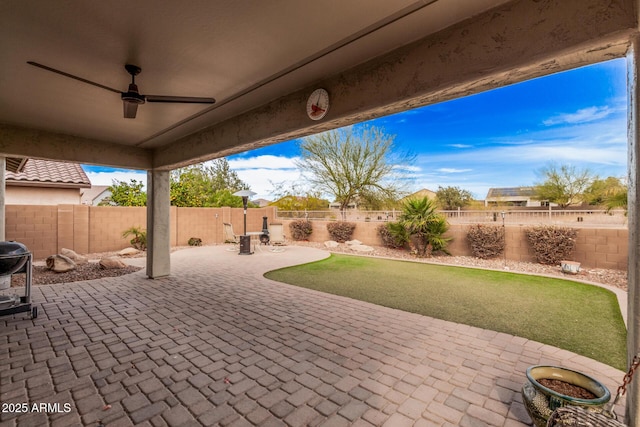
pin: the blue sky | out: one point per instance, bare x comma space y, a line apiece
500, 138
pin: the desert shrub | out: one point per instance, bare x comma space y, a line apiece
486, 241
195, 241
139, 240
300, 229
393, 234
425, 226
341, 231
552, 244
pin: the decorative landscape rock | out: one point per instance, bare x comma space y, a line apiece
361, 248
353, 242
110, 263
129, 252
331, 244
73, 255
60, 263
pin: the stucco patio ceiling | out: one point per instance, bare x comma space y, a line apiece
260, 61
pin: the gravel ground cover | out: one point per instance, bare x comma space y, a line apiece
617, 278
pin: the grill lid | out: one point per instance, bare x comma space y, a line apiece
13, 256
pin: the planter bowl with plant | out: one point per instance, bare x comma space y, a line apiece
551, 387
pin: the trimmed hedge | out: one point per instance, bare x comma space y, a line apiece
300, 229
341, 231
486, 241
552, 244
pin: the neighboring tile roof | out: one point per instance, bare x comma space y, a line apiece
511, 192
88, 196
48, 173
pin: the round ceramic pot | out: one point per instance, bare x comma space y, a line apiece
541, 401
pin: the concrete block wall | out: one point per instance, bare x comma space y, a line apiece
45, 230
35, 226
107, 223
595, 247
203, 223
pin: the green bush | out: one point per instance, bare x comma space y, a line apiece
393, 234
341, 231
552, 244
425, 226
300, 229
486, 241
139, 240
195, 241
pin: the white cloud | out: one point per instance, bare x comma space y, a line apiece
262, 180
407, 168
453, 170
584, 115
261, 173
263, 162
460, 145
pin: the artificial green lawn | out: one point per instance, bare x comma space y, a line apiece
581, 318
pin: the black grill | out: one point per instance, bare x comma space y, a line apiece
13, 257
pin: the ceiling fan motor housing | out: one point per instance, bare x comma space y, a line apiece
132, 95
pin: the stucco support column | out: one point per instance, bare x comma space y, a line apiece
3, 189
633, 309
158, 224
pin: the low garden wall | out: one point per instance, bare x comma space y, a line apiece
45, 230
595, 247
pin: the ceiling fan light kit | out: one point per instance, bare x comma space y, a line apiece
132, 97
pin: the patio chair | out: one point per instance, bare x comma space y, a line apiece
276, 236
230, 236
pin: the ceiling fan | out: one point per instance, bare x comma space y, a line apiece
132, 98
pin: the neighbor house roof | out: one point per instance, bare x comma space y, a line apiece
46, 173
90, 195
425, 192
511, 192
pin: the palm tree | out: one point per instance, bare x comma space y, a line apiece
617, 200
425, 225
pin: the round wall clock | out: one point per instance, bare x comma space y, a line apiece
318, 104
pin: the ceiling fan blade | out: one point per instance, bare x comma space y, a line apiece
62, 73
179, 99
130, 109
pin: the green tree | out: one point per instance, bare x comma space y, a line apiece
602, 189
424, 224
354, 164
294, 197
564, 184
617, 199
450, 198
126, 194
206, 185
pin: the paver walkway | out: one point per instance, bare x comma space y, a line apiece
218, 344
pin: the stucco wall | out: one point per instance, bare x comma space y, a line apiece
16, 195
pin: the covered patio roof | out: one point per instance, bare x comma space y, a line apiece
261, 62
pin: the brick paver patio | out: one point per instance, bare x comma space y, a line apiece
218, 344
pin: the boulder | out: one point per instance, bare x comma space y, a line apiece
361, 248
353, 242
71, 254
111, 263
331, 244
129, 252
60, 263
